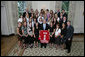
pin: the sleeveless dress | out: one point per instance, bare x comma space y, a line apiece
52, 40
20, 31
31, 39
36, 34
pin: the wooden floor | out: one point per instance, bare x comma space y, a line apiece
7, 43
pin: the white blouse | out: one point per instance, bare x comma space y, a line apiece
57, 31
20, 20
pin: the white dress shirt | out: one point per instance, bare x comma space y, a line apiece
44, 26
58, 19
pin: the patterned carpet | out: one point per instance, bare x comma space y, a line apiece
77, 49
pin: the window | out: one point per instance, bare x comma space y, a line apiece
21, 7
65, 6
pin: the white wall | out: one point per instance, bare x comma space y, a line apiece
78, 21
43, 5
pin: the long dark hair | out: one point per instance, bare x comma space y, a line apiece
23, 24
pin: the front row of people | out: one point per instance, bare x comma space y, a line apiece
28, 35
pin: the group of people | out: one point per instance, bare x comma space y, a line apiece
31, 23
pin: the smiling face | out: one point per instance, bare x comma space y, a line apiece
44, 21
25, 24
63, 25
51, 24
68, 23
34, 19
30, 20
64, 18
27, 9
57, 26
36, 24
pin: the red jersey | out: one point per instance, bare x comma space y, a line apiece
44, 36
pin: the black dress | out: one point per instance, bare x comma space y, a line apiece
61, 21
40, 26
63, 32
52, 40
36, 32
54, 24
31, 39
20, 31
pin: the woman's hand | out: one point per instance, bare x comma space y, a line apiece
34, 36
31, 35
55, 36
61, 36
69, 39
25, 35
50, 35
20, 35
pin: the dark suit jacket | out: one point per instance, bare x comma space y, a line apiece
47, 27
58, 14
24, 14
61, 21
40, 26
65, 15
69, 33
65, 23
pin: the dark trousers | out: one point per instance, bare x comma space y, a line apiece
68, 45
43, 44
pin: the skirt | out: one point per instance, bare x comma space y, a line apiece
31, 40
26, 40
19, 38
52, 39
36, 38
57, 40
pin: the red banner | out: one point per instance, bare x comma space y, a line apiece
44, 36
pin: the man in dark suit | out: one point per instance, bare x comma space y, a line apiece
69, 36
44, 26
64, 13
58, 13
27, 11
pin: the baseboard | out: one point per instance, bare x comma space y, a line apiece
78, 33
7, 35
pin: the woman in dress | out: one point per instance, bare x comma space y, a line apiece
52, 40
27, 17
54, 22
19, 32
40, 24
45, 17
63, 33
49, 21
25, 34
30, 33
57, 35
36, 35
